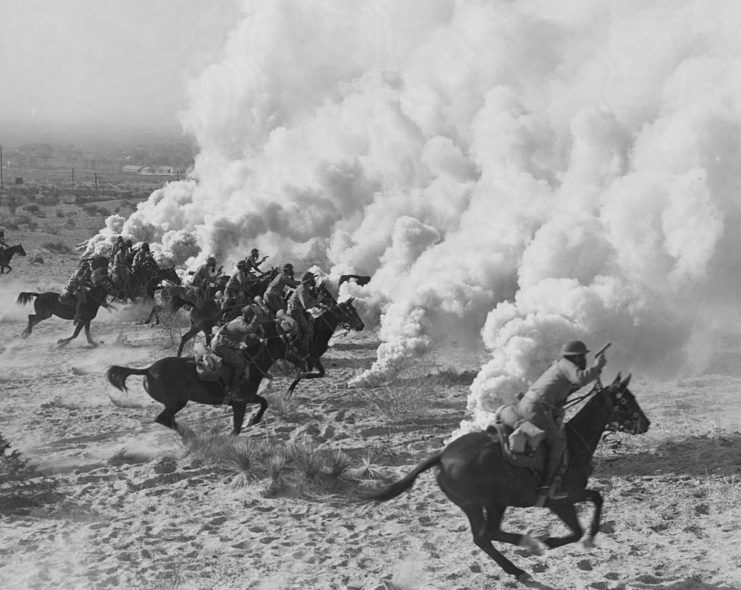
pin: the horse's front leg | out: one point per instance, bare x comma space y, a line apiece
596, 498
78, 328
239, 409
566, 511
89, 337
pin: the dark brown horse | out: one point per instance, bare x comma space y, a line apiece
173, 381
50, 303
253, 289
339, 315
6, 255
475, 476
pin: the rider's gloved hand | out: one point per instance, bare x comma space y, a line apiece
601, 361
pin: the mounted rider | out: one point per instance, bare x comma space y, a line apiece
120, 271
235, 292
204, 277
543, 405
81, 281
253, 262
230, 343
2, 239
303, 299
142, 258
275, 293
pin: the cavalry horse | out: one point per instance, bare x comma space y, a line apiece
476, 477
63, 306
340, 314
173, 381
6, 255
146, 278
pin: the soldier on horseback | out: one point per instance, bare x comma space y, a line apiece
236, 287
120, 271
142, 258
253, 262
204, 277
303, 299
79, 284
544, 402
230, 342
2, 239
274, 294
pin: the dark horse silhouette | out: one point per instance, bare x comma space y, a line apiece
340, 314
6, 255
474, 475
50, 303
173, 381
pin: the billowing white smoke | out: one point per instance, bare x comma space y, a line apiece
525, 171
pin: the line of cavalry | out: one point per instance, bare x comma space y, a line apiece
483, 473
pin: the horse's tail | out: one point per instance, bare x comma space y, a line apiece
26, 297
405, 483
117, 375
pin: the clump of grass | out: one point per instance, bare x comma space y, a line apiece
58, 247
21, 484
297, 466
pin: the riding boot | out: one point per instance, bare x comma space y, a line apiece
550, 486
78, 310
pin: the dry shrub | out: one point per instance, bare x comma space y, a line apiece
58, 247
296, 467
21, 484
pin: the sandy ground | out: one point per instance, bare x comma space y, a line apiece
136, 508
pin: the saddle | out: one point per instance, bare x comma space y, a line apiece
520, 440
209, 365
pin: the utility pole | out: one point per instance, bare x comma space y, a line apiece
73, 179
96, 185
1, 167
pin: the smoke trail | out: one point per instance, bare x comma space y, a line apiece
514, 172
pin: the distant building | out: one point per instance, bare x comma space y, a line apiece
133, 169
164, 170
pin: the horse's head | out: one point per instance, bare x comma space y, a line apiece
627, 415
349, 318
18, 249
170, 275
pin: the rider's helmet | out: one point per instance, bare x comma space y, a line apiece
129, 244
255, 252
119, 239
211, 260
247, 312
308, 278
145, 247
288, 267
242, 265
574, 348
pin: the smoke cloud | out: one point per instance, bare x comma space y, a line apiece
512, 173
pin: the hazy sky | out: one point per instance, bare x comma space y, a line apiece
114, 62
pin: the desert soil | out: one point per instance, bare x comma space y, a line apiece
135, 507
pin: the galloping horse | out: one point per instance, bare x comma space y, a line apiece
50, 303
173, 381
340, 314
6, 254
475, 476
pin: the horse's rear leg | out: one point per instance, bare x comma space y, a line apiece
482, 532
32, 321
167, 416
187, 336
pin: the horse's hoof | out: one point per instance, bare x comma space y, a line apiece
532, 545
588, 542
